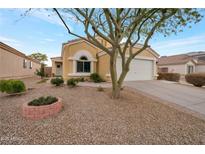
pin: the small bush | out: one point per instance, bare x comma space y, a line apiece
95, 77
72, 82
40, 72
57, 81
169, 76
100, 88
12, 86
43, 101
81, 79
3, 84
197, 79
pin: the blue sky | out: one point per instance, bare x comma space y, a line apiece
39, 32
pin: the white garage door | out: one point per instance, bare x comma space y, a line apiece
140, 69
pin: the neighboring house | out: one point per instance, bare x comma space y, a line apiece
183, 63
80, 58
14, 64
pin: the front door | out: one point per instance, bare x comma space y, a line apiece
58, 70
190, 69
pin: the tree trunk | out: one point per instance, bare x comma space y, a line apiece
113, 73
116, 92
117, 84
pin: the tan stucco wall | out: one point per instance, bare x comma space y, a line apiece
104, 66
11, 66
70, 50
53, 67
175, 68
145, 53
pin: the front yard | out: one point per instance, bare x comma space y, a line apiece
91, 117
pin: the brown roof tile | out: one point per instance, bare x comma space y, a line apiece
176, 59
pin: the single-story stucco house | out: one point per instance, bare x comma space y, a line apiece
193, 62
15, 64
80, 58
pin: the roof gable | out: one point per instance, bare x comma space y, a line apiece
79, 40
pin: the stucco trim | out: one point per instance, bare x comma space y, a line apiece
73, 58
76, 42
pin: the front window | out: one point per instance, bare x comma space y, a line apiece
24, 63
83, 65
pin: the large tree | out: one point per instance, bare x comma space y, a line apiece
39, 56
129, 25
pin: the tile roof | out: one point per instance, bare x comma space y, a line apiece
175, 59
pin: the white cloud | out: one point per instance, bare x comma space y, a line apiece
179, 46
10, 41
46, 15
1, 19
180, 43
49, 40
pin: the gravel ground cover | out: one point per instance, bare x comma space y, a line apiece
92, 117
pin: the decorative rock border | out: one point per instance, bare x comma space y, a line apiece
40, 112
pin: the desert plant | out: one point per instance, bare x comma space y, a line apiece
57, 81
100, 88
40, 72
43, 101
72, 82
12, 86
95, 77
169, 76
197, 79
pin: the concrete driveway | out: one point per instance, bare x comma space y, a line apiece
192, 98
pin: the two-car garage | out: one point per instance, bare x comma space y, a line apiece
140, 69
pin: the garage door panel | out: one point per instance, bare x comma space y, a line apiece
140, 69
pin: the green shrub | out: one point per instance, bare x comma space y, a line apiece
80, 79
12, 86
197, 79
169, 76
72, 82
95, 77
43, 101
3, 85
57, 81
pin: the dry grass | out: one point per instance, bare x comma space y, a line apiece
92, 117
